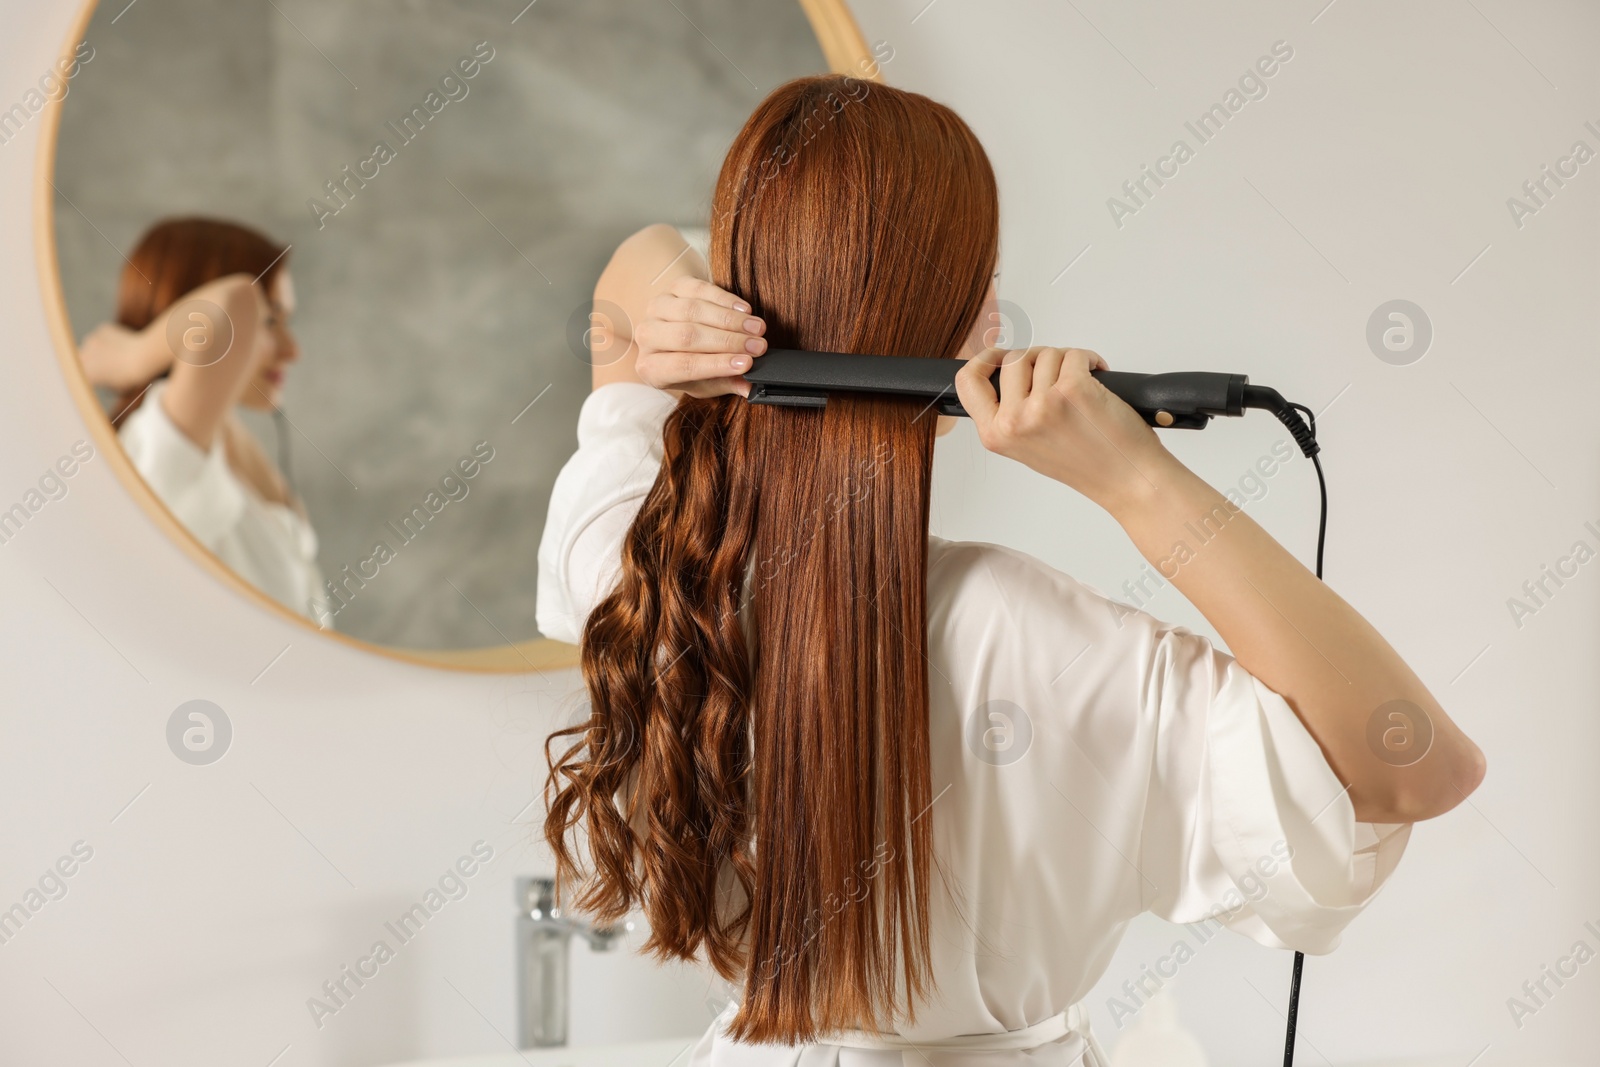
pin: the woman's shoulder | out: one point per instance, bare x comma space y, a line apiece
620, 411
978, 569
196, 484
982, 594
152, 440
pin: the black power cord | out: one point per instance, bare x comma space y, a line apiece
279, 421
1294, 1009
1310, 447
1305, 435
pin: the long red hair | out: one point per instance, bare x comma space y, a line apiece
760, 794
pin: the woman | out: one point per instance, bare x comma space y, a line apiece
202, 329
907, 793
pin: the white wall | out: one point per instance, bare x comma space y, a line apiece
1380, 162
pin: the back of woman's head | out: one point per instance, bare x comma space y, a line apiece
773, 779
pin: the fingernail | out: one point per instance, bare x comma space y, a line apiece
740, 305
752, 325
755, 346
741, 362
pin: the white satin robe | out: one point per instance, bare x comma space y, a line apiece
1159, 776
270, 545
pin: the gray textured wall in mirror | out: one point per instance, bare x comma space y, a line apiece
436, 288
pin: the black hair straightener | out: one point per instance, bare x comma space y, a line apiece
1184, 400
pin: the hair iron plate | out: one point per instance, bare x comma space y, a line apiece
1180, 399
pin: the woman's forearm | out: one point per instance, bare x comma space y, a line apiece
1307, 644
219, 358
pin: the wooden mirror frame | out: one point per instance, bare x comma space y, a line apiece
846, 52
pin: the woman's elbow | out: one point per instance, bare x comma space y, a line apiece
1419, 798
639, 251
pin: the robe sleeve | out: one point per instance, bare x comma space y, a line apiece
594, 501
1245, 822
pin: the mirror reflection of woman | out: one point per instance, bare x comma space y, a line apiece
202, 330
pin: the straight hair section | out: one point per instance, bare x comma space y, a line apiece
759, 785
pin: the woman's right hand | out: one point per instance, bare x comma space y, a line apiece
698, 339
1056, 418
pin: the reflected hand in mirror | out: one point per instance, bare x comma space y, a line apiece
119, 359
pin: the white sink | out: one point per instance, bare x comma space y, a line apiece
673, 1052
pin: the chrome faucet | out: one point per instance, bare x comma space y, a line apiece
544, 937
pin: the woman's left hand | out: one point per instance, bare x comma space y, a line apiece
121, 359
698, 339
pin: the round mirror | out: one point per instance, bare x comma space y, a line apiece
389, 218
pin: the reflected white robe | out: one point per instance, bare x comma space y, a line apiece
1160, 776
270, 545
